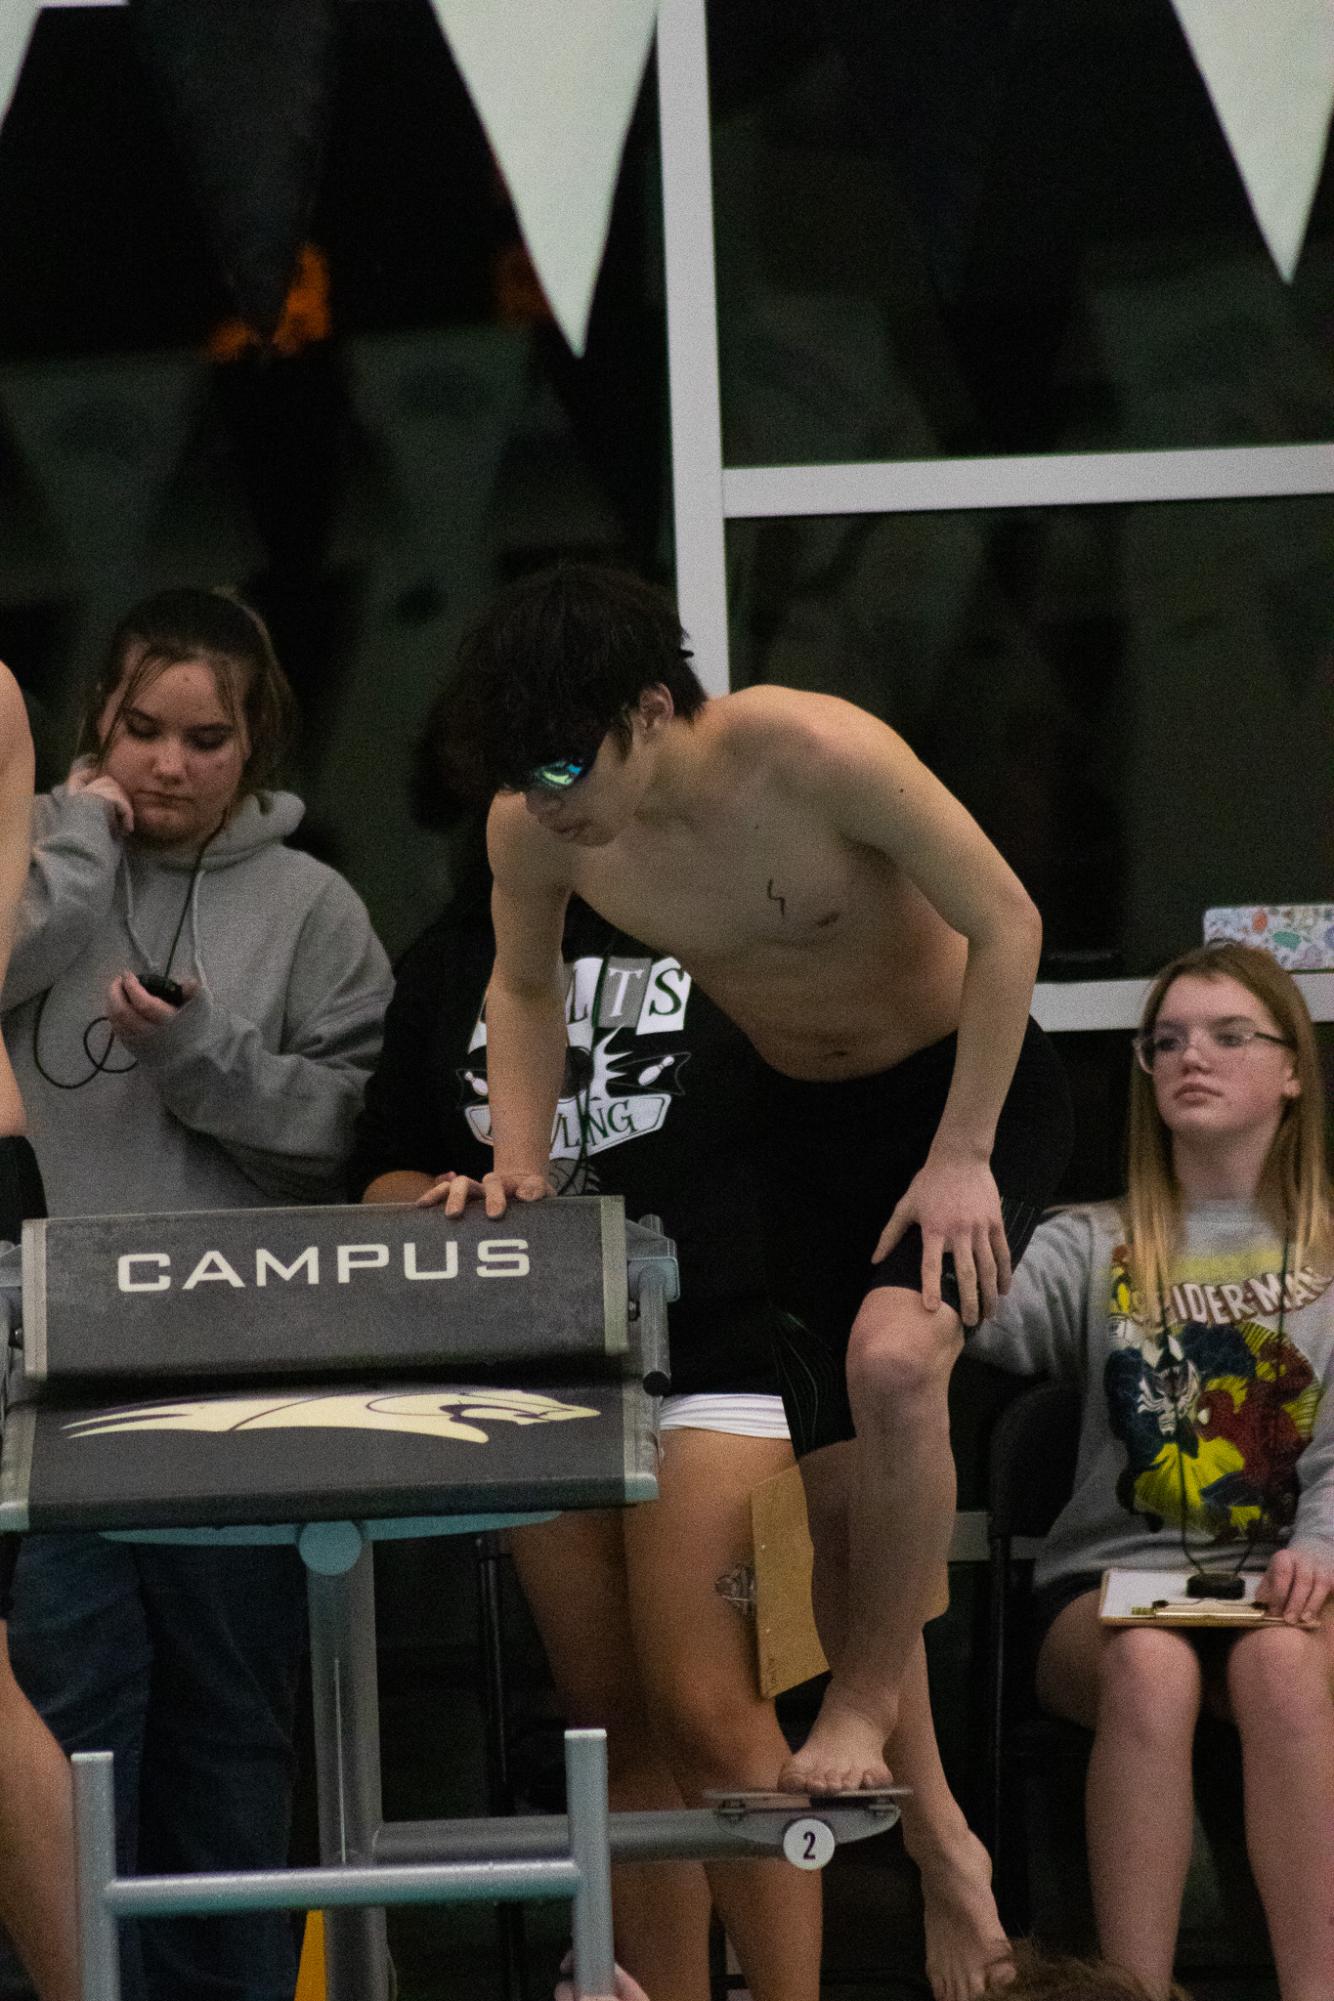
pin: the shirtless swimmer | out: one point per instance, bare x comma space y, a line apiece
842, 907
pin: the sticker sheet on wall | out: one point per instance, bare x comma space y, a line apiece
1299, 935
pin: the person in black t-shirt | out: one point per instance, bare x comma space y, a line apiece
633, 1605
36, 1835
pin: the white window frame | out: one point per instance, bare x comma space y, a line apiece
706, 494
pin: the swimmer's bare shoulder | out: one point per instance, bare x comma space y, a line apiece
800, 738
531, 879
845, 767
519, 847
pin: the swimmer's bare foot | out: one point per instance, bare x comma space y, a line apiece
966, 1949
844, 1753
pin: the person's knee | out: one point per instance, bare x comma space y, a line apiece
1149, 1686
899, 1359
1279, 1685
711, 1731
620, 1713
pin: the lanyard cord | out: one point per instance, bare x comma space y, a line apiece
101, 1066
1276, 1340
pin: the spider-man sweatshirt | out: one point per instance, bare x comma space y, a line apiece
1217, 1414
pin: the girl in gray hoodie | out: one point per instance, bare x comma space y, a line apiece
192, 1009
1198, 1319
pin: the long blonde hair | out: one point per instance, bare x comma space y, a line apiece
1294, 1190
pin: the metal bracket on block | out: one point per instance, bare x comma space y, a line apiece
648, 1250
766, 1816
653, 1279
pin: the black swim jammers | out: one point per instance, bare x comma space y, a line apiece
836, 1158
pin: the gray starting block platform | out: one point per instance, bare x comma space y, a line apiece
331, 1377
297, 1292
378, 1363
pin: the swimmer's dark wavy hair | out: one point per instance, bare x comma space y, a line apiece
555, 665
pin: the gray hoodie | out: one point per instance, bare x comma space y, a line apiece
1195, 1404
247, 1097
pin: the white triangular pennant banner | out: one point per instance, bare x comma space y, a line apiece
17, 18
554, 83
1269, 68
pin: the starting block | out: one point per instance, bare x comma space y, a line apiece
201, 1378
463, 1357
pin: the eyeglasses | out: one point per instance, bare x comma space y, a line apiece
559, 775
1223, 1038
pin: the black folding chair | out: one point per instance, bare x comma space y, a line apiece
1031, 1473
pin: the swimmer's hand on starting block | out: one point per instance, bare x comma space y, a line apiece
455, 1191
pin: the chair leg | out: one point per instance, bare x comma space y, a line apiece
510, 1937
993, 1829
1005, 1830
719, 1985
1013, 1889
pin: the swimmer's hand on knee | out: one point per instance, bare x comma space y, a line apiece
955, 1204
453, 1192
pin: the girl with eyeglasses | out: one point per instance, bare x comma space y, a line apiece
1197, 1316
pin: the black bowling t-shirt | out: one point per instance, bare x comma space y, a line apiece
653, 1103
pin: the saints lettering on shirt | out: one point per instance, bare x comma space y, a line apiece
625, 1022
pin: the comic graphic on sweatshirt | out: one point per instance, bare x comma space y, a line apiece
1215, 1403
625, 1020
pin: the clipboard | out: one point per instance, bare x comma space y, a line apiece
788, 1649
1158, 1598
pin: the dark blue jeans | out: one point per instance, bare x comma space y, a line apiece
184, 1663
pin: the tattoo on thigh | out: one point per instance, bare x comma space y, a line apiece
737, 1586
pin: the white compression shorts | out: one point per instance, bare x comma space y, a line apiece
744, 1413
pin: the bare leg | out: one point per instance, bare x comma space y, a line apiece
1139, 1688
1281, 1686
965, 1944
900, 1518
36, 1843
573, 1575
966, 1947
16, 769
697, 1668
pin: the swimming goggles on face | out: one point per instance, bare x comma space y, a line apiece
559, 775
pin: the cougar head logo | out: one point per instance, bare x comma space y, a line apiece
455, 1413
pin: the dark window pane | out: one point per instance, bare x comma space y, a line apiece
1136, 703
998, 226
